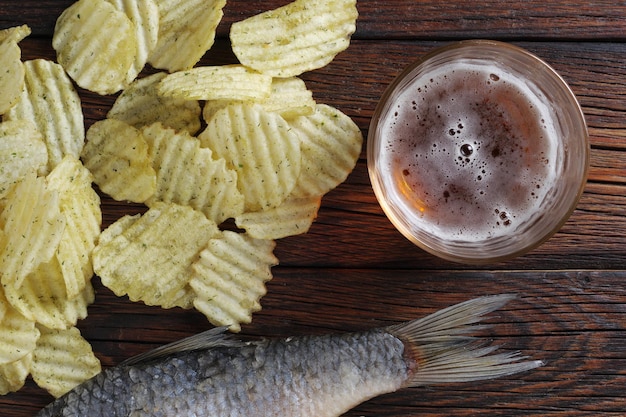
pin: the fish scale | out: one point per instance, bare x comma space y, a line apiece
309, 376
215, 374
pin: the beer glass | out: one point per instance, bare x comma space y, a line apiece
478, 152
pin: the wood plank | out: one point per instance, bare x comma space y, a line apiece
508, 19
404, 19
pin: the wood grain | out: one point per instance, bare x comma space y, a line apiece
353, 270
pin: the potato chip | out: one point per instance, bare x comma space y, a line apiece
144, 14
331, 145
13, 375
149, 258
4, 303
288, 97
231, 82
80, 205
298, 37
69, 178
22, 151
140, 105
76, 308
50, 101
117, 156
33, 227
96, 44
62, 360
83, 220
186, 32
293, 217
189, 175
229, 278
42, 297
15, 33
117, 228
261, 147
19, 336
12, 74
213, 106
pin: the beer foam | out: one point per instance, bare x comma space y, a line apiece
472, 148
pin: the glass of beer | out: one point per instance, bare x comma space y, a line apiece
478, 152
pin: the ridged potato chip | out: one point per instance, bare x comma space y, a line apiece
230, 82
4, 303
62, 360
13, 375
213, 106
144, 14
117, 156
96, 44
19, 336
22, 151
186, 32
189, 175
331, 145
148, 258
288, 97
293, 217
298, 37
116, 229
261, 147
42, 297
33, 227
141, 105
12, 74
50, 101
15, 33
80, 205
229, 278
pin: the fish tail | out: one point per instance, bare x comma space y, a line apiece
439, 349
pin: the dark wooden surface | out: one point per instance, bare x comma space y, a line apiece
354, 271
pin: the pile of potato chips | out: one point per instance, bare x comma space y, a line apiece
198, 145
50, 219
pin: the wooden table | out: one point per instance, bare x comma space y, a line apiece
353, 270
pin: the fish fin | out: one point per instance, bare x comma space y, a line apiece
443, 351
208, 339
